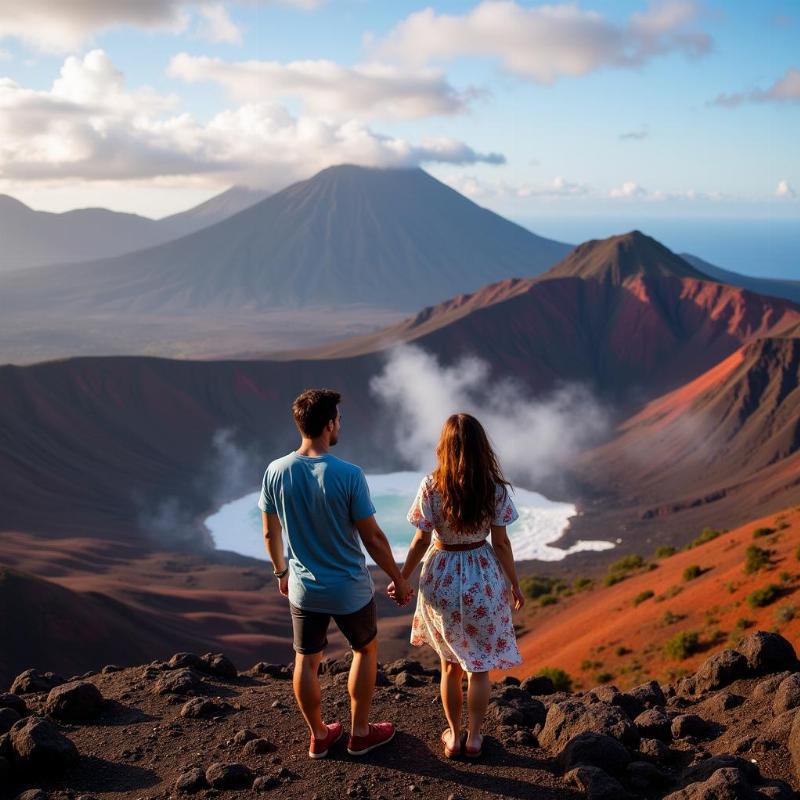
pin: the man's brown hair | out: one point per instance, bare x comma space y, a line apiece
314, 409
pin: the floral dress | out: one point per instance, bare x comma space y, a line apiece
463, 603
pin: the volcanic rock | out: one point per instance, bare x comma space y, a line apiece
647, 695
571, 717
404, 665
229, 776
767, 652
74, 701
202, 707
787, 695
720, 670
9, 700
180, 681
597, 784
40, 747
193, 780
7, 718
654, 724
655, 750
725, 784
594, 749
244, 736
407, 679
538, 685
258, 747
688, 725
644, 776
768, 686
219, 665
186, 660
32, 681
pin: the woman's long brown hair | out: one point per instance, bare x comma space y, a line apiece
467, 474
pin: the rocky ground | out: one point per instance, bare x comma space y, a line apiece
193, 726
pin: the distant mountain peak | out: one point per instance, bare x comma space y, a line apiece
620, 258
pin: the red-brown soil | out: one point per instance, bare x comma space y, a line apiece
601, 629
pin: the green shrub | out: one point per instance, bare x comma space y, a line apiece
604, 677
763, 596
692, 572
626, 563
666, 551
642, 596
783, 525
706, 535
785, 614
759, 532
682, 645
756, 558
622, 651
671, 592
548, 600
561, 680
579, 584
785, 576
671, 618
610, 580
534, 586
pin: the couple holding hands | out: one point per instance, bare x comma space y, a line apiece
467, 585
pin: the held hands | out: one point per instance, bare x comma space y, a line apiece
517, 597
283, 585
400, 591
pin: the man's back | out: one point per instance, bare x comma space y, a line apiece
317, 500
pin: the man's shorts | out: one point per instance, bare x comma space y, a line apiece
310, 628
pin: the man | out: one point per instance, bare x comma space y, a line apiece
324, 506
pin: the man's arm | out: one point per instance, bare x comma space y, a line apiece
273, 537
377, 545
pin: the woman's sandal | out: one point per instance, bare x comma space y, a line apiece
470, 753
448, 751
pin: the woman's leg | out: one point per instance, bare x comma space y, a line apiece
452, 698
477, 700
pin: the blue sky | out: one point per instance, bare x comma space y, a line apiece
596, 108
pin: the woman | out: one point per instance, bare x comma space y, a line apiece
463, 604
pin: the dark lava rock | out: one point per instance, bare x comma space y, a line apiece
32, 681
720, 670
510, 680
648, 695
793, 744
7, 718
74, 701
533, 711
258, 747
404, 665
5, 770
780, 727
31, 794
571, 717
538, 685
281, 671
597, 784
776, 789
191, 781
408, 679
229, 776
505, 714
767, 652
705, 769
9, 700
725, 784
6, 750
654, 724
335, 666
184, 660
510, 693
596, 750
722, 701
688, 725
787, 695
266, 783
655, 750
40, 747
767, 687
202, 707
109, 668
604, 694
244, 736
644, 776
180, 681
219, 665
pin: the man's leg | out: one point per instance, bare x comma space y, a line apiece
452, 699
361, 685
307, 692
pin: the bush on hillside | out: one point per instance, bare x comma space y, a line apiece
682, 645
763, 596
764, 531
666, 551
785, 614
642, 596
581, 583
756, 558
706, 535
692, 572
561, 680
626, 564
534, 586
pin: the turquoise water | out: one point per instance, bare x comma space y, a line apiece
237, 525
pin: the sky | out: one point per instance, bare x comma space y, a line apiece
671, 109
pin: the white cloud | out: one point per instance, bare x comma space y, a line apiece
217, 25
785, 190
473, 187
547, 42
785, 90
328, 88
629, 189
90, 126
558, 187
63, 25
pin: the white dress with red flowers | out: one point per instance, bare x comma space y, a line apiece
463, 603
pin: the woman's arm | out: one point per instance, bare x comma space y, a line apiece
416, 550
502, 548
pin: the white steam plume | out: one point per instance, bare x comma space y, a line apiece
534, 439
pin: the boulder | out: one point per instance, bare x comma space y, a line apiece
191, 781
654, 724
404, 665
722, 701
688, 725
219, 665
184, 660
32, 681
199, 707
229, 776
571, 717
597, 784
779, 727
644, 776
706, 768
7, 719
179, 681
776, 789
9, 700
727, 783
646, 695
787, 695
281, 671
258, 747
767, 652
538, 685
767, 687
720, 670
595, 750
505, 714
109, 668
39, 746
793, 744
244, 736
655, 750
266, 783
75, 701
31, 794
408, 679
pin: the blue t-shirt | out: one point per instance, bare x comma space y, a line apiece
317, 500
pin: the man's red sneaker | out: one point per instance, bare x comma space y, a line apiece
379, 733
319, 747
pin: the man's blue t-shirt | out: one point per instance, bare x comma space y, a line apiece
317, 500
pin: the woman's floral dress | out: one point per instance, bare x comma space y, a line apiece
463, 603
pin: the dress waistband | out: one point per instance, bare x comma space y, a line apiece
440, 545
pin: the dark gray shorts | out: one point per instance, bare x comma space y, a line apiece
310, 628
